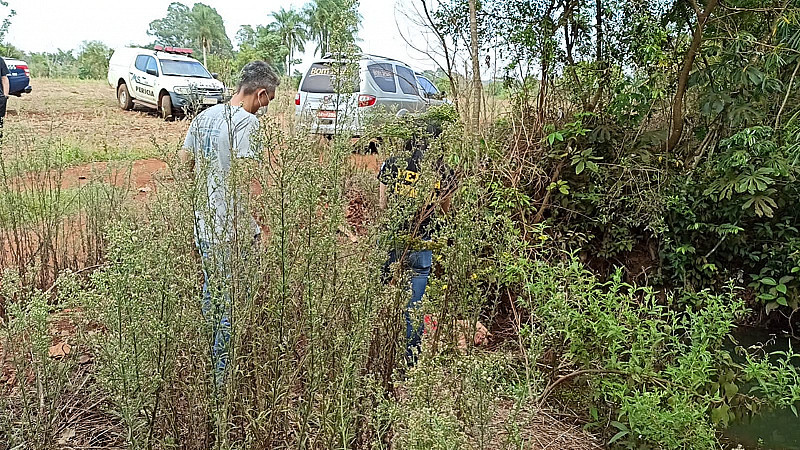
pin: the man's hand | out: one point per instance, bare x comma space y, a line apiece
186, 160
6, 86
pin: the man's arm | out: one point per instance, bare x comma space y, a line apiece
382, 200
4, 72
186, 152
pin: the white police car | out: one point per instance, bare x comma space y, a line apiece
164, 78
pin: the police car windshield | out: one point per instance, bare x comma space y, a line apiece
184, 69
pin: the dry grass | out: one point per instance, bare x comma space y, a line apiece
539, 430
82, 117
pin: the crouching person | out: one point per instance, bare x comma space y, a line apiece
225, 232
402, 184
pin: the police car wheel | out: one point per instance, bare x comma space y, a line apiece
124, 97
166, 107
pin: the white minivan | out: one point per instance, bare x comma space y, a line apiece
338, 98
164, 78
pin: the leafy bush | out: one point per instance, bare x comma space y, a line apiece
661, 371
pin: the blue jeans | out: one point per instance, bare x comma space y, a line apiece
420, 263
216, 305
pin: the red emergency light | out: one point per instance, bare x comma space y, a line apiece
175, 50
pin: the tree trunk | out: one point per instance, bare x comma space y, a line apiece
476, 66
542, 90
204, 54
599, 60
570, 37
549, 30
683, 80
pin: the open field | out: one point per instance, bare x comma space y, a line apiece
83, 118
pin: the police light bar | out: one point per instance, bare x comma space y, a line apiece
175, 50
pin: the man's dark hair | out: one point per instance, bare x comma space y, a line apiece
257, 75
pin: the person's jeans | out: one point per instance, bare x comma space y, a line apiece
216, 305
420, 263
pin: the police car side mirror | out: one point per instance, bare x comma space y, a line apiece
215, 75
152, 72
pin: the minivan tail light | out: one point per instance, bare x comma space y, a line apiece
297, 99
26, 69
366, 100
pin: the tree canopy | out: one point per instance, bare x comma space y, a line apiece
200, 28
261, 43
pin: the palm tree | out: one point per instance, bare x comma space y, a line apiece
207, 27
291, 28
326, 17
316, 18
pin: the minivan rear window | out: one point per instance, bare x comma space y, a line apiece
383, 75
321, 79
408, 80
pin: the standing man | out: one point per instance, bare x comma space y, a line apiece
412, 237
224, 229
6, 87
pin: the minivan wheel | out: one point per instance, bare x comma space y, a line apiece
166, 107
124, 97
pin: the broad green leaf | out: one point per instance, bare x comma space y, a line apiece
771, 306
618, 425
720, 414
731, 390
618, 436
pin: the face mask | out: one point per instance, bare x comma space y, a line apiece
262, 109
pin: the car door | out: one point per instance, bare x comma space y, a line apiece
143, 77
407, 80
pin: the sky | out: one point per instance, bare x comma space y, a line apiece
47, 25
